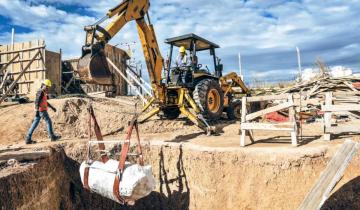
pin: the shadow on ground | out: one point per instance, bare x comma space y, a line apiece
287, 140
347, 197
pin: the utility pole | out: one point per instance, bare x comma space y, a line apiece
299, 62
240, 67
12, 46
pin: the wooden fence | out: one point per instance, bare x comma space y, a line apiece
46, 65
337, 104
247, 119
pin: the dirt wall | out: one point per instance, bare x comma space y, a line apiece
194, 177
189, 177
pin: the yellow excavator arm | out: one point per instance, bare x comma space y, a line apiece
93, 67
232, 79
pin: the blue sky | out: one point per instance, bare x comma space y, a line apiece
265, 32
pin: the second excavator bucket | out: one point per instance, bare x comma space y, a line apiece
93, 68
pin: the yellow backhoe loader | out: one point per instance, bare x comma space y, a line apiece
192, 87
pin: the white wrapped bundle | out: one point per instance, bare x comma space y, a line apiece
137, 181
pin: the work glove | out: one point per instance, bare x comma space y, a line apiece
37, 113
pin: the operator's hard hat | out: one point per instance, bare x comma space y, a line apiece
182, 49
47, 82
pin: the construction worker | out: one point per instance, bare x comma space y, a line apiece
41, 107
182, 59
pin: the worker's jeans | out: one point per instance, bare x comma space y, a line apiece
36, 122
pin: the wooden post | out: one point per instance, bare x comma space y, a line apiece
243, 117
292, 118
327, 116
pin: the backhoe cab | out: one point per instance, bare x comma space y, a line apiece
212, 92
195, 70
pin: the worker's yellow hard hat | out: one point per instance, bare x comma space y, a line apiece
182, 49
47, 82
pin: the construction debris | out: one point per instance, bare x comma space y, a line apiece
317, 87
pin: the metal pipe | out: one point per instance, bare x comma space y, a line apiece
299, 62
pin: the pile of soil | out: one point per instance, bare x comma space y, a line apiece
72, 118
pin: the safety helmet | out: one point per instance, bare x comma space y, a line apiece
47, 83
182, 49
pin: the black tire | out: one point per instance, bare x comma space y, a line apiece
201, 95
171, 113
233, 112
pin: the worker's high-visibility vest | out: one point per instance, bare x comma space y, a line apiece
43, 103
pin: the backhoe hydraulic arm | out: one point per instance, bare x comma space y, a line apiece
93, 66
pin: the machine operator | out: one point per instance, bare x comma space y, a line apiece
182, 59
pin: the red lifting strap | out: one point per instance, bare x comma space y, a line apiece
124, 152
98, 134
86, 178
99, 137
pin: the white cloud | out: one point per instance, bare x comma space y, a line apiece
265, 32
59, 28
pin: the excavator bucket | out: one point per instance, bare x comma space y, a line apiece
93, 68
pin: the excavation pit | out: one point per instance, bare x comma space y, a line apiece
188, 177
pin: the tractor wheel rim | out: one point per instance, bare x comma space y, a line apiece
213, 100
237, 112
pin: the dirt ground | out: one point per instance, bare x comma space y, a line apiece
191, 168
71, 122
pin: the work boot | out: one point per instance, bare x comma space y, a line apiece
30, 141
55, 138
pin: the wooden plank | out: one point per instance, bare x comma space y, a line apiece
22, 50
353, 114
330, 176
309, 94
127, 80
268, 126
139, 83
24, 155
7, 72
18, 78
341, 107
353, 93
343, 129
350, 86
267, 98
269, 110
243, 116
31, 71
26, 50
8, 63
